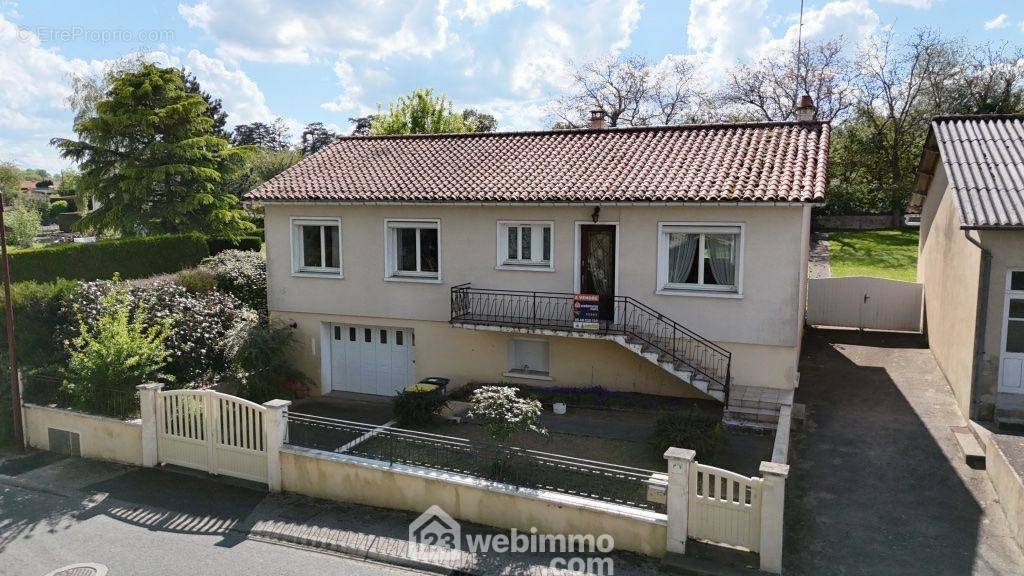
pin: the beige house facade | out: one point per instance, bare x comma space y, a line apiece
971, 260
691, 294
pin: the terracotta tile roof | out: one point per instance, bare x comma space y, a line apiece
984, 159
768, 162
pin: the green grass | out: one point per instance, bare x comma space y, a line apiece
882, 253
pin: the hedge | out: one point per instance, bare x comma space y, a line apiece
136, 257
248, 243
35, 317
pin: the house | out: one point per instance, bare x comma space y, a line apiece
662, 260
970, 188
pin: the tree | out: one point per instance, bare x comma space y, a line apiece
421, 112
70, 185
150, 157
23, 222
480, 121
361, 126
629, 91
982, 79
503, 413
214, 106
267, 136
10, 182
315, 137
767, 89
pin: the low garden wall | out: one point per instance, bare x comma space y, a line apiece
1008, 484
373, 483
99, 437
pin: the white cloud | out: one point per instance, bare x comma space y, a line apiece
729, 30
243, 100
997, 22
853, 20
348, 99
915, 4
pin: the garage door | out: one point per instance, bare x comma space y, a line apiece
371, 359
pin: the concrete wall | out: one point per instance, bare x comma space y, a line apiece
347, 479
854, 222
949, 266
1007, 248
1008, 485
766, 319
100, 438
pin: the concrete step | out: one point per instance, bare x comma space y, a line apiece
749, 425
974, 453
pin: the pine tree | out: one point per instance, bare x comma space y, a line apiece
150, 156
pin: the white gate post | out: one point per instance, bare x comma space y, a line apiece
276, 430
147, 408
680, 461
773, 501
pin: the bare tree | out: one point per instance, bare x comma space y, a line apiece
767, 89
630, 92
980, 79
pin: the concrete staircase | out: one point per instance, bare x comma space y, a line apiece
755, 408
670, 365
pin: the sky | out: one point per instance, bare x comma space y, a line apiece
329, 60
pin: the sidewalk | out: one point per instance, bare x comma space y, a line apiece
175, 502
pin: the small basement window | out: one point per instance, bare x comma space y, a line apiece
528, 358
525, 245
316, 246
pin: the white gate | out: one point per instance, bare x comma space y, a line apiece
211, 431
724, 507
864, 302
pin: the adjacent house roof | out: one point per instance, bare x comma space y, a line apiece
983, 156
768, 162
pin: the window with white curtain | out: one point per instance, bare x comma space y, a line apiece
700, 257
316, 246
525, 245
413, 250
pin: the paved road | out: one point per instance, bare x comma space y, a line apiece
145, 531
877, 484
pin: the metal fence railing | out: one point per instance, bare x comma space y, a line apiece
500, 463
49, 391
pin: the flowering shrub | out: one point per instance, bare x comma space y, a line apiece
504, 413
242, 274
262, 363
198, 325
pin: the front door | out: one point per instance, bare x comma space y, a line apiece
1011, 358
597, 266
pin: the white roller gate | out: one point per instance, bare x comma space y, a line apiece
724, 507
211, 431
865, 302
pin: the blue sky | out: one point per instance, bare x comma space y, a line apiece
326, 60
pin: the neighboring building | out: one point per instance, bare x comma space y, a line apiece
970, 187
403, 257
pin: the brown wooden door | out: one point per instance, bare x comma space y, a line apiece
597, 266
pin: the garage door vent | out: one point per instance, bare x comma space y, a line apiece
64, 442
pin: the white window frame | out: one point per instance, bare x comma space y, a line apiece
298, 269
391, 271
514, 372
537, 246
702, 228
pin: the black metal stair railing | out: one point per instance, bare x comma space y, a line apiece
628, 317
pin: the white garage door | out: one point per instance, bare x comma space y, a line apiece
371, 359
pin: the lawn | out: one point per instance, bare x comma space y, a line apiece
882, 253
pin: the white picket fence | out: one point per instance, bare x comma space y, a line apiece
865, 302
724, 507
211, 431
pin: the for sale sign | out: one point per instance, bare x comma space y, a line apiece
585, 312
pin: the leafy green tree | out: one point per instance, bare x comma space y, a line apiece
260, 134
23, 223
214, 106
421, 112
361, 126
480, 121
10, 180
150, 157
119, 352
314, 137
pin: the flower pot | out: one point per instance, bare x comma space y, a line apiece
558, 408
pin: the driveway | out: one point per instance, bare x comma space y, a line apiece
877, 482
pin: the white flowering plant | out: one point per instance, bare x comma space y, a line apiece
503, 413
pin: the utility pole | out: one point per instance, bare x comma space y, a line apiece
12, 359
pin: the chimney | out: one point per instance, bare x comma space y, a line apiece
596, 119
805, 110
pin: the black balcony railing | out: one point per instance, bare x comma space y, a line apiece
623, 315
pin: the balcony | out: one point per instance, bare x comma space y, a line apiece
659, 339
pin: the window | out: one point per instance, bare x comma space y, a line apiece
528, 358
1017, 280
316, 246
700, 258
413, 249
525, 245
